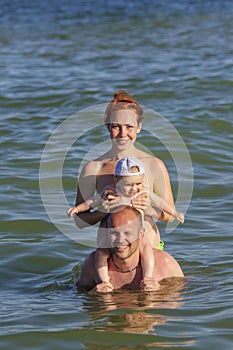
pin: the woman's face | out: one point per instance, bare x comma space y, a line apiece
123, 128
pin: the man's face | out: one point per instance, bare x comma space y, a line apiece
124, 234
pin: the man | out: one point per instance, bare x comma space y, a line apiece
125, 233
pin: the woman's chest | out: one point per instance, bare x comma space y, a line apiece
105, 176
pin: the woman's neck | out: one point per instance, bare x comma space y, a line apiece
129, 152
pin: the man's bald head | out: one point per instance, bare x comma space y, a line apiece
124, 216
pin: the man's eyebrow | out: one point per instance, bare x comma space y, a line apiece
113, 230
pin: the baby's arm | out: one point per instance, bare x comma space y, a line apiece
162, 205
84, 206
148, 265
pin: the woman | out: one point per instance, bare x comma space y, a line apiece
123, 119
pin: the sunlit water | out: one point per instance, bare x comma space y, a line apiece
58, 59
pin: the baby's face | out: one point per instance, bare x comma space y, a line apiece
129, 186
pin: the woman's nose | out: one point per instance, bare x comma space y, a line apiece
123, 132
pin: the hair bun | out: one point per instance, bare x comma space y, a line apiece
123, 100
123, 96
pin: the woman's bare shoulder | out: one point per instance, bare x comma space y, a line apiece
150, 160
92, 167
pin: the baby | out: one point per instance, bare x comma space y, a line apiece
130, 180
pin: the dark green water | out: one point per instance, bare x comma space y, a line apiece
62, 59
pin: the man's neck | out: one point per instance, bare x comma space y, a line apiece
126, 265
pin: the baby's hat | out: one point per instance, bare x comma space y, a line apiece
124, 165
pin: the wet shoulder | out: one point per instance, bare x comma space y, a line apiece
166, 265
93, 167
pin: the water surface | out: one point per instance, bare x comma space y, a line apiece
58, 58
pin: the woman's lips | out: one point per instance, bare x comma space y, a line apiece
122, 142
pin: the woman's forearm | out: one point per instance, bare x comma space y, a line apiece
89, 218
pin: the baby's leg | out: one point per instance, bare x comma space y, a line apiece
101, 263
147, 258
101, 257
146, 253
151, 232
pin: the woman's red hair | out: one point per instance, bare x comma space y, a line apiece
123, 100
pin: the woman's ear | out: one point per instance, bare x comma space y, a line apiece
141, 233
139, 127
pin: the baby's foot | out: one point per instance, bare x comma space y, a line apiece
149, 284
104, 287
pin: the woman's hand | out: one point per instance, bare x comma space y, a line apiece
142, 201
115, 201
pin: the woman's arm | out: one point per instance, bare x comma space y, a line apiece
86, 189
162, 187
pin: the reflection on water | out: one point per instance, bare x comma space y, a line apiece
133, 317
58, 58
134, 311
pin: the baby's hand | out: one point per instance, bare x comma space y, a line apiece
72, 211
179, 217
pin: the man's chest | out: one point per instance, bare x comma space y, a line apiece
128, 280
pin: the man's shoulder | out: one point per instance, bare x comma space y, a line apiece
86, 280
90, 259
167, 265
